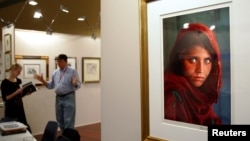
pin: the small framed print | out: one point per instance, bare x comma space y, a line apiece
7, 42
72, 62
31, 69
91, 70
7, 61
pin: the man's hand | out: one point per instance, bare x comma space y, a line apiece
74, 81
39, 77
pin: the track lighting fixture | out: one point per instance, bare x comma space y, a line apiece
64, 9
49, 31
37, 14
93, 36
33, 2
2, 21
83, 18
5, 23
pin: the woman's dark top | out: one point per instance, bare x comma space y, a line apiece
14, 107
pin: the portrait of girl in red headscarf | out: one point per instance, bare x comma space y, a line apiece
193, 77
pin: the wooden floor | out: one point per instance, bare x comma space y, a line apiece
88, 133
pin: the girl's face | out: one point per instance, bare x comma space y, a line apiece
197, 65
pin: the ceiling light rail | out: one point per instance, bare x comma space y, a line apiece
83, 18
38, 15
62, 9
30, 2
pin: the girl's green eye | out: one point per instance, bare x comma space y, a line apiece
208, 60
192, 60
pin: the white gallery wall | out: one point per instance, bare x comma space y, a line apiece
120, 101
40, 106
120, 47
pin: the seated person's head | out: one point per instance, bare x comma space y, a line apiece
69, 134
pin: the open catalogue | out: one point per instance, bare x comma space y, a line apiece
28, 88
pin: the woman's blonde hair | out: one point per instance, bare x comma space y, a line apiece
15, 66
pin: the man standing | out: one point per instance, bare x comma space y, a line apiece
65, 81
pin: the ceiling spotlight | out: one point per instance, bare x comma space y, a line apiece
64, 9
82, 18
37, 14
5, 23
32, 2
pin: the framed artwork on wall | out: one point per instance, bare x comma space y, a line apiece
91, 70
159, 28
33, 65
7, 61
1, 65
72, 62
29, 70
7, 49
172, 24
7, 42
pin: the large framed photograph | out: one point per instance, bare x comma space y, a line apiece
7, 42
33, 65
91, 70
7, 61
71, 62
160, 27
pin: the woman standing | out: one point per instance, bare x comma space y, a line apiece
12, 95
192, 79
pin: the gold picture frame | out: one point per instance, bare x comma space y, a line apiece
150, 121
7, 61
145, 135
33, 65
7, 43
91, 69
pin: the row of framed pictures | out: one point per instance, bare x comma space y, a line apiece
91, 70
7, 51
